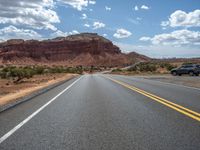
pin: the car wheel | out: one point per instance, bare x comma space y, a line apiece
191, 73
174, 73
179, 74
197, 74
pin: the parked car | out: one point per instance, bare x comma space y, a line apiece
192, 69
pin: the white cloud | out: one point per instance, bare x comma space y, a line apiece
11, 32
78, 4
144, 7
73, 32
59, 33
108, 8
86, 25
138, 18
177, 38
160, 51
164, 23
105, 35
84, 16
182, 19
92, 2
38, 14
122, 33
136, 8
145, 38
97, 25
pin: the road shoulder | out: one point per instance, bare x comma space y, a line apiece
13, 99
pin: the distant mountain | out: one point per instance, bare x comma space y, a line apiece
135, 57
84, 49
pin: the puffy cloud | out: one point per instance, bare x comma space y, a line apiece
144, 7
164, 23
108, 8
11, 32
78, 4
122, 33
136, 8
36, 14
176, 38
59, 33
105, 35
182, 19
86, 25
73, 32
160, 51
92, 2
84, 16
138, 18
97, 25
145, 38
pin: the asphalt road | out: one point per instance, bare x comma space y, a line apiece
105, 112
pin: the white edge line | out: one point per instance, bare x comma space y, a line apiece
9, 133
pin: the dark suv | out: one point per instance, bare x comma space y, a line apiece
191, 69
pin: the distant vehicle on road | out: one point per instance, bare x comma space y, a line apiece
191, 69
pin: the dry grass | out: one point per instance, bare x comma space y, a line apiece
10, 92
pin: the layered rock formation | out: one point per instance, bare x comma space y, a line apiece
82, 49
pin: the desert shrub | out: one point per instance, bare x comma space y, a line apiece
19, 73
39, 70
56, 70
151, 67
78, 70
117, 70
170, 67
147, 67
134, 68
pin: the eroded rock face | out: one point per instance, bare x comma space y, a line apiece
81, 49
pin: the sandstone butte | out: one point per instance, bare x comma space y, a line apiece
83, 49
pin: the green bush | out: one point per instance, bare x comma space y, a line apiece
150, 67
134, 68
39, 69
117, 70
19, 73
147, 67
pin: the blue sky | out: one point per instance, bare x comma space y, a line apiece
157, 28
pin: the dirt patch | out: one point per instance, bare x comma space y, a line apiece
11, 92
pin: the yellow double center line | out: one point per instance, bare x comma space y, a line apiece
190, 113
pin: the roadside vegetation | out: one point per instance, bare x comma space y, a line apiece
19, 73
147, 67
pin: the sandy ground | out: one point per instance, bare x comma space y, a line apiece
10, 92
193, 81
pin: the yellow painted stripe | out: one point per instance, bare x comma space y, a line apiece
179, 108
167, 101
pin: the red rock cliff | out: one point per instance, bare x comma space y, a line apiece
81, 49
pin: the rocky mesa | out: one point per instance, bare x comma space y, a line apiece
84, 49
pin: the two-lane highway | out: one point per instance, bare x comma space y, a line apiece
106, 112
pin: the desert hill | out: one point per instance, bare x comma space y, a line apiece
84, 49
